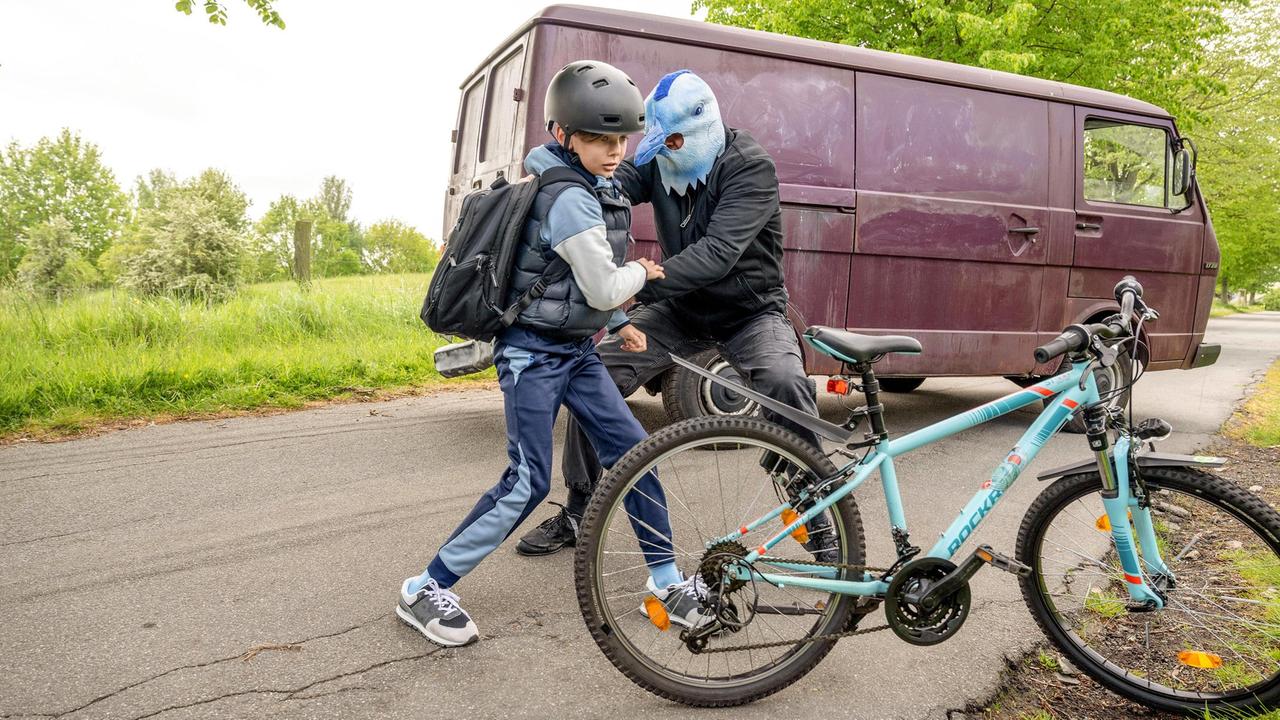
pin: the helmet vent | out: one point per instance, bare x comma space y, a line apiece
600, 83
583, 68
610, 119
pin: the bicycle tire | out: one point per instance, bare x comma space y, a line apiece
1244, 506
852, 549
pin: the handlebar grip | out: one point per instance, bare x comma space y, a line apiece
1073, 338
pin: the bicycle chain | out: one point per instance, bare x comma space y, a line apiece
814, 638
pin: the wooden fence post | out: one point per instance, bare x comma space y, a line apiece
302, 251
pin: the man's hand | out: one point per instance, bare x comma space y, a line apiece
652, 270
633, 340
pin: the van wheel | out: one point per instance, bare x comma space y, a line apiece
900, 385
686, 396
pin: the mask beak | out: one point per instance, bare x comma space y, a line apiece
651, 144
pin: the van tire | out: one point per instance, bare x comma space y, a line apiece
686, 395
900, 385
1105, 376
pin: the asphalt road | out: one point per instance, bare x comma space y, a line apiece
137, 569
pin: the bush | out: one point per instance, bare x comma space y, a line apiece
52, 267
1271, 301
187, 250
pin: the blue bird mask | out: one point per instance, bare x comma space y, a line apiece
681, 103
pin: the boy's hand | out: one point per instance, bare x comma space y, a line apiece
633, 339
652, 270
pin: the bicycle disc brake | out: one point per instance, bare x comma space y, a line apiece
913, 621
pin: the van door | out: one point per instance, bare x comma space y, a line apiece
952, 224
1128, 222
490, 117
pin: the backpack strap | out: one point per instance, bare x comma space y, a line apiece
557, 269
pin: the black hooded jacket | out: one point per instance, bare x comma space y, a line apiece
721, 242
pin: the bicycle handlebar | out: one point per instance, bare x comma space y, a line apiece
1076, 338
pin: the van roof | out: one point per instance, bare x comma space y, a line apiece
784, 46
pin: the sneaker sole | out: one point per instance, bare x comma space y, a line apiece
408, 619
521, 550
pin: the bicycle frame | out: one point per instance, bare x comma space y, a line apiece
1070, 390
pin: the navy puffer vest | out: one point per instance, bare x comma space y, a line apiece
562, 313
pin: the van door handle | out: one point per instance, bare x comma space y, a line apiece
475, 184
1025, 230
1088, 226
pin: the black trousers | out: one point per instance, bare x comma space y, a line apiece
764, 349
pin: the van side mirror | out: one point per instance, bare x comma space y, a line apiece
1184, 169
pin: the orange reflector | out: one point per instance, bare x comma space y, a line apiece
657, 613
983, 555
1198, 659
1104, 523
838, 386
801, 534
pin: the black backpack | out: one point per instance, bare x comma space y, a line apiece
467, 296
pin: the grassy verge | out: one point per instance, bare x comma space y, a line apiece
1258, 421
1221, 309
111, 356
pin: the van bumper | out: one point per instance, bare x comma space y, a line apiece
1206, 354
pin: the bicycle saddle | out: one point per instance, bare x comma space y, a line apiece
852, 347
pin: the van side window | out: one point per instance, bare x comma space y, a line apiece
464, 152
500, 107
1128, 164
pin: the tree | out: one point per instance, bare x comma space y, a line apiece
217, 12
1239, 168
188, 238
52, 266
1153, 50
392, 246
62, 177
335, 197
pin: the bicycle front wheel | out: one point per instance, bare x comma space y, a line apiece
714, 480
1216, 643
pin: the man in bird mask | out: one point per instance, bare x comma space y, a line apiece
714, 192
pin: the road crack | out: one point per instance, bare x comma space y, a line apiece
291, 694
194, 666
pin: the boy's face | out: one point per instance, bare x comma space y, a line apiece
600, 154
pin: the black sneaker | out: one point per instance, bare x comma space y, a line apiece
556, 532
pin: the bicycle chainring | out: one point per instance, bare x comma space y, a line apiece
915, 623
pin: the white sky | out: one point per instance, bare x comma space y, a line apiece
367, 90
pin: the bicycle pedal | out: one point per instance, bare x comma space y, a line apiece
1002, 562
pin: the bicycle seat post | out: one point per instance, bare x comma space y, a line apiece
870, 387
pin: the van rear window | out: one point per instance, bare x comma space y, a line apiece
500, 107
464, 152
1125, 163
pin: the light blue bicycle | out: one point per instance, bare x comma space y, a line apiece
1153, 575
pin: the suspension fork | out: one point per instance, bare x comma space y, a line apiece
1121, 505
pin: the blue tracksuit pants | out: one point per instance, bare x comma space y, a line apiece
536, 380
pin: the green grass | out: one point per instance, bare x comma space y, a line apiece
1104, 603
112, 356
1258, 422
1221, 309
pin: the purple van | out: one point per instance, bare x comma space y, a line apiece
978, 211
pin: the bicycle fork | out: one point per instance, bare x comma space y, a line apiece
1124, 514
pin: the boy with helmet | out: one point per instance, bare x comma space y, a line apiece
547, 358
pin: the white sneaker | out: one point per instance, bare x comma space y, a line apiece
683, 602
435, 612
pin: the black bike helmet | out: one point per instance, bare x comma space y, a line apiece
591, 96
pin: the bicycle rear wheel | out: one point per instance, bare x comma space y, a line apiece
1216, 643
711, 475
